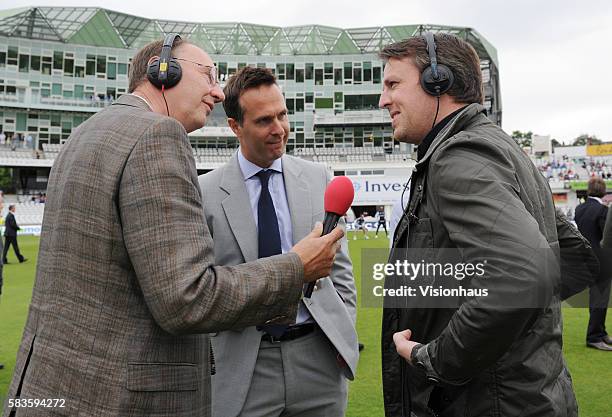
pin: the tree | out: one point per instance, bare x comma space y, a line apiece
555, 143
6, 179
522, 138
586, 139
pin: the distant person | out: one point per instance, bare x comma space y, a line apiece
2, 250
360, 225
10, 235
591, 220
382, 221
1, 263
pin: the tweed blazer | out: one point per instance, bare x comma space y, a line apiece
125, 281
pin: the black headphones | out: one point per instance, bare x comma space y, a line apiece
436, 79
165, 71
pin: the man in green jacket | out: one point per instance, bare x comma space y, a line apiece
490, 344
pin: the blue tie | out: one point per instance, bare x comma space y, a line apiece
268, 235
269, 241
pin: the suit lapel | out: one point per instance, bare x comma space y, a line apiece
298, 198
237, 209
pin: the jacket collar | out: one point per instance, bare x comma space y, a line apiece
466, 117
132, 101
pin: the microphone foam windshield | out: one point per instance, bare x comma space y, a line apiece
339, 195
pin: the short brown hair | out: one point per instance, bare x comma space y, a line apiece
140, 62
246, 78
596, 187
451, 51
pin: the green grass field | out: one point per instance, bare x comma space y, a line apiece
591, 369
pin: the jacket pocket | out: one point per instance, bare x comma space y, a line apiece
157, 377
422, 234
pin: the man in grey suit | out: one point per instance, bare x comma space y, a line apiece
257, 205
125, 277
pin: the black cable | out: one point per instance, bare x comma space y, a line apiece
164, 96
437, 110
404, 191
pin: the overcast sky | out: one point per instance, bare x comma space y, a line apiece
555, 57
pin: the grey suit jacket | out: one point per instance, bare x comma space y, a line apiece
125, 277
231, 222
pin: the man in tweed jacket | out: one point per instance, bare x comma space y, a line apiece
125, 281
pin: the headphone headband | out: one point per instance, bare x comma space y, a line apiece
165, 55
165, 71
436, 79
431, 50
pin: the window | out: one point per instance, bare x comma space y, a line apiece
35, 63
309, 98
376, 75
361, 102
299, 104
2, 59
79, 71
12, 55
78, 91
111, 73
280, 71
338, 76
101, 64
348, 70
24, 63
290, 105
46, 65
319, 77
329, 70
324, 103
299, 75
290, 71
56, 89
122, 69
367, 71
338, 97
58, 60
222, 67
90, 65
309, 70
357, 75
69, 67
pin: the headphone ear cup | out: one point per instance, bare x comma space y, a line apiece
175, 72
153, 73
440, 86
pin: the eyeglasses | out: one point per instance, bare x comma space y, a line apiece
211, 71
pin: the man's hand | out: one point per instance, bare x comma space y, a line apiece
318, 252
403, 344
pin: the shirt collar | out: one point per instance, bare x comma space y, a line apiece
424, 145
596, 198
249, 169
143, 99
